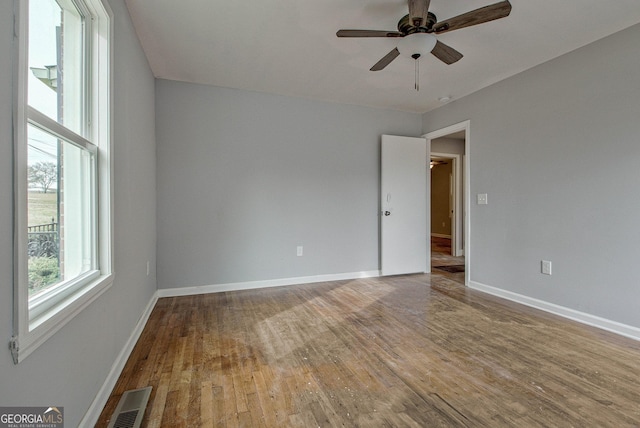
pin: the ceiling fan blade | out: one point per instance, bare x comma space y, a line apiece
368, 33
418, 10
386, 60
475, 17
446, 53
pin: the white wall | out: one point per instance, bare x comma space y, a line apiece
246, 177
71, 366
557, 149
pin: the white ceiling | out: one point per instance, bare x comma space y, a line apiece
289, 47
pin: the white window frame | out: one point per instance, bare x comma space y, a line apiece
52, 310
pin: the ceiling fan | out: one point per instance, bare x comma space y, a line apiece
416, 31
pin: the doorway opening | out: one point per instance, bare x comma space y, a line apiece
448, 151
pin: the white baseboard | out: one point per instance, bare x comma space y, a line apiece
582, 317
93, 413
236, 286
440, 235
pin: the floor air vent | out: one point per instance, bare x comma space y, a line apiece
130, 409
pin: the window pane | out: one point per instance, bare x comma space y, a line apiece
56, 74
60, 211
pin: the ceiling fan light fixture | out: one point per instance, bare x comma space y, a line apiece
416, 45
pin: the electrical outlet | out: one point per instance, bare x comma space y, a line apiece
546, 267
299, 251
482, 199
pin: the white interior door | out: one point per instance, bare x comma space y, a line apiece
404, 199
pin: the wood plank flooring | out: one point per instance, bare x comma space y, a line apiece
414, 351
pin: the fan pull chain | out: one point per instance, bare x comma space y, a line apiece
416, 57
418, 75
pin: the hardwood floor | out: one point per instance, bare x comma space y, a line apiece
441, 246
416, 350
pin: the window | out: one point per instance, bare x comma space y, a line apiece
62, 165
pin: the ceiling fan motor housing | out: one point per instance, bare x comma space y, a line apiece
405, 25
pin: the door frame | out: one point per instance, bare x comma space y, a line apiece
443, 132
456, 189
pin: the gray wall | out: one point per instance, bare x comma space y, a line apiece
557, 149
448, 145
245, 177
71, 366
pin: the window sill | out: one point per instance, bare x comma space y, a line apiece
48, 325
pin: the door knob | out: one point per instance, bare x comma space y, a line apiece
387, 213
